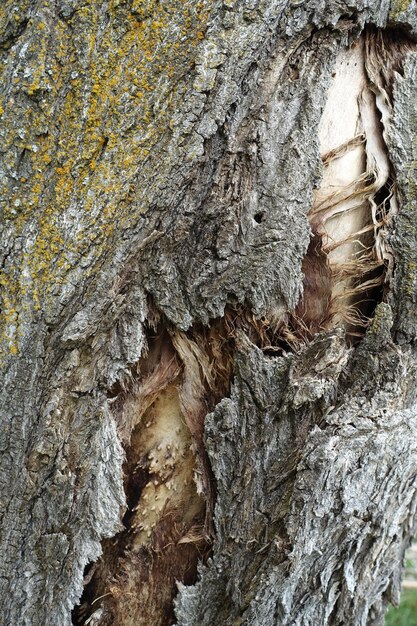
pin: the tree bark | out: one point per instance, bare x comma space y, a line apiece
209, 289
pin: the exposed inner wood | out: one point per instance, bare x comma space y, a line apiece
349, 264
168, 481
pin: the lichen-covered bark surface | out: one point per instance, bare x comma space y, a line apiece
158, 164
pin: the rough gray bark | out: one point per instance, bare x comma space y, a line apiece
158, 166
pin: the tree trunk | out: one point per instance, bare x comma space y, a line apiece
209, 289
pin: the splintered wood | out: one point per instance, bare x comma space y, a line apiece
168, 483
357, 197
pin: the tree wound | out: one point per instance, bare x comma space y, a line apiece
182, 376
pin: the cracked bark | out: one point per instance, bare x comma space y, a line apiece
208, 355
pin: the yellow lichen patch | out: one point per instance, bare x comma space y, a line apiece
12, 17
398, 7
90, 115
